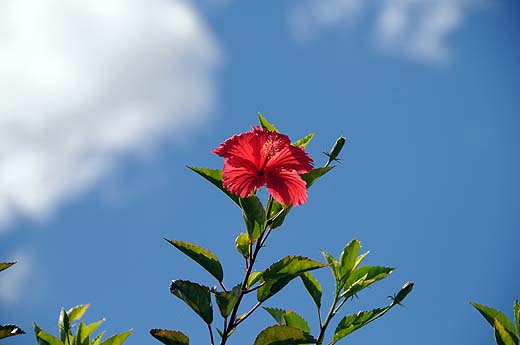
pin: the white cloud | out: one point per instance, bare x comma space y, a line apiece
13, 279
85, 81
414, 28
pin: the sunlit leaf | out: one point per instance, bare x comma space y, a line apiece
215, 177
196, 296
502, 336
117, 339
283, 335
10, 331
84, 331
98, 339
265, 124
243, 244
6, 265
347, 259
333, 264
277, 314
313, 287
304, 141
371, 274
253, 278
313, 175
254, 216
291, 266
203, 257
490, 314
293, 319
77, 312
44, 338
64, 326
227, 300
170, 337
278, 211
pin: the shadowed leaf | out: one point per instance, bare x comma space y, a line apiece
277, 314
215, 177
227, 300
283, 335
196, 297
170, 337
10, 331
271, 287
313, 287
313, 175
6, 265
254, 216
203, 257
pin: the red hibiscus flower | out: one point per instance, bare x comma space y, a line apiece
262, 157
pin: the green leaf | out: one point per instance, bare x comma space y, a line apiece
243, 244
502, 336
203, 257
277, 314
10, 331
196, 297
347, 259
64, 326
333, 264
516, 312
77, 312
271, 287
336, 149
352, 322
371, 274
284, 335
278, 211
253, 278
293, 319
291, 266
84, 332
265, 124
304, 141
254, 216
313, 175
227, 300
170, 337
490, 314
215, 177
117, 339
313, 287
97, 340
6, 265
44, 338
401, 295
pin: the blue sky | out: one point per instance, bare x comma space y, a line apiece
105, 106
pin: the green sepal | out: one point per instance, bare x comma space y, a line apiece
215, 177
6, 265
304, 141
196, 296
226, 300
10, 331
265, 124
254, 216
313, 287
203, 257
243, 244
117, 339
490, 314
284, 335
170, 337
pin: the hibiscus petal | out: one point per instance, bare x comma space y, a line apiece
240, 180
291, 158
287, 187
